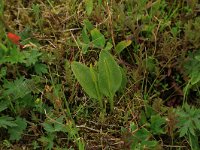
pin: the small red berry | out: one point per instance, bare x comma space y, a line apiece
14, 38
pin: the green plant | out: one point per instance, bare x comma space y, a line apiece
192, 67
189, 124
104, 80
16, 94
15, 127
17, 131
96, 40
143, 137
137, 50
53, 126
93, 40
89, 6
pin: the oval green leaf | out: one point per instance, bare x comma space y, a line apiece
84, 77
122, 45
110, 76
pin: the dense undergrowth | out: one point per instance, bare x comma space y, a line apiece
106, 74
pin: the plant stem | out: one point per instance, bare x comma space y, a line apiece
111, 103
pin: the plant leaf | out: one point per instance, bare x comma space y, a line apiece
108, 46
6, 121
84, 77
84, 36
58, 124
86, 40
16, 132
194, 143
156, 122
3, 47
98, 39
18, 88
40, 68
110, 76
142, 134
47, 141
133, 126
149, 144
88, 25
122, 45
48, 127
195, 77
89, 6
3, 105
183, 131
31, 57
14, 57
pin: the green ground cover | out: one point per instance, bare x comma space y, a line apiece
104, 74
